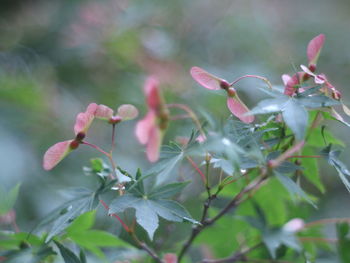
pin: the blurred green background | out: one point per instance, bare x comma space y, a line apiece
58, 56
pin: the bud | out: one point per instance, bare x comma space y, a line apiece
294, 225
74, 144
224, 84
231, 92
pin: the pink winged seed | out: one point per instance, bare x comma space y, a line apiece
319, 79
292, 82
285, 79
153, 144
91, 108
151, 89
314, 48
206, 79
55, 154
84, 119
239, 109
127, 112
144, 127
103, 112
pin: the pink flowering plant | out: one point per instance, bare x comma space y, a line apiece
248, 180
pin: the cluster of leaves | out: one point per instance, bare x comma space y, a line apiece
253, 177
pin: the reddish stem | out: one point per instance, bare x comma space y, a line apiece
96, 148
252, 76
327, 221
318, 239
113, 175
194, 165
305, 156
179, 117
127, 229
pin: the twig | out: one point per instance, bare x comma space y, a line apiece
197, 229
146, 248
207, 222
234, 258
238, 198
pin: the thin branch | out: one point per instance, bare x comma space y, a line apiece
197, 229
238, 198
235, 202
146, 248
235, 257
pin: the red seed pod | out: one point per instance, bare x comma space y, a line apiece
74, 144
312, 67
231, 92
224, 84
115, 120
80, 136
